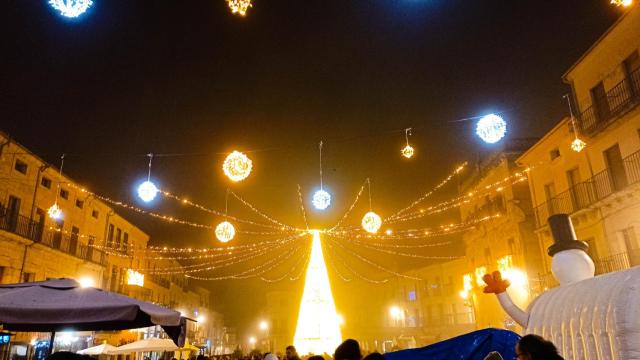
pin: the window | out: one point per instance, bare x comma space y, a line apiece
600, 102
46, 182
412, 295
125, 242
110, 235
21, 166
28, 277
95, 213
554, 154
64, 194
79, 203
118, 238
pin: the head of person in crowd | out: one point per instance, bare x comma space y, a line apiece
291, 353
348, 350
534, 347
374, 356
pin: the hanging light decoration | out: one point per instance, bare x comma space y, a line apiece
371, 222
408, 150
491, 128
577, 144
54, 211
225, 231
321, 198
237, 166
623, 3
239, 7
147, 191
71, 8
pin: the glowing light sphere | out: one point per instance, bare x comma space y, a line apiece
407, 151
55, 212
147, 191
578, 145
321, 200
225, 231
371, 222
239, 7
491, 128
237, 166
71, 8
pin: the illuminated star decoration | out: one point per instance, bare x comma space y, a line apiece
147, 191
371, 222
237, 166
408, 150
239, 7
491, 128
578, 145
55, 212
623, 3
71, 8
225, 231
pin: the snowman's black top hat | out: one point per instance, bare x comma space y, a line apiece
564, 236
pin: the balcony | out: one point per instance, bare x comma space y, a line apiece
587, 193
616, 102
67, 243
159, 280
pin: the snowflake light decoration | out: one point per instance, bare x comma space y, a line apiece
578, 145
408, 151
239, 7
71, 8
371, 222
147, 191
55, 212
623, 3
237, 166
321, 200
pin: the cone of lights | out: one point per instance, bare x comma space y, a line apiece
318, 329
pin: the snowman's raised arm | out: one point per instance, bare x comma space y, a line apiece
497, 285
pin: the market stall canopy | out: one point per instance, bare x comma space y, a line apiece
146, 345
63, 305
104, 349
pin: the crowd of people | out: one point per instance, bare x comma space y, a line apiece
530, 347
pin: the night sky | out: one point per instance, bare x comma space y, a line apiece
188, 79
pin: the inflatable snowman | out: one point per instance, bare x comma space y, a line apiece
586, 317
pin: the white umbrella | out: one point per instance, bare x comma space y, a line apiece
104, 349
146, 345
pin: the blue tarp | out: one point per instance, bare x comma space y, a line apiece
472, 346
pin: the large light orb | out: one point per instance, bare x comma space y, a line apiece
491, 128
321, 200
578, 145
71, 8
237, 166
225, 231
371, 222
55, 212
147, 191
408, 151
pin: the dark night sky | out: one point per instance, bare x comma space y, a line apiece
133, 77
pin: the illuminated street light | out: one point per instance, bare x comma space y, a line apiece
264, 325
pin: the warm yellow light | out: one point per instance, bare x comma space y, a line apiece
264, 325
395, 312
480, 272
200, 319
578, 145
87, 282
252, 340
318, 328
408, 151
225, 231
518, 279
464, 294
237, 166
135, 278
340, 319
623, 3
239, 7
371, 222
55, 212
389, 232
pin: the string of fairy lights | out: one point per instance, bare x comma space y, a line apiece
75, 8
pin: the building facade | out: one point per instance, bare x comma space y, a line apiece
90, 242
599, 186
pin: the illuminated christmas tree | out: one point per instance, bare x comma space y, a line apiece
318, 329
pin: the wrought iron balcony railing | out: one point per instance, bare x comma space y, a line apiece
616, 102
34, 231
587, 193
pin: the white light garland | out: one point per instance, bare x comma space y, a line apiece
71, 8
